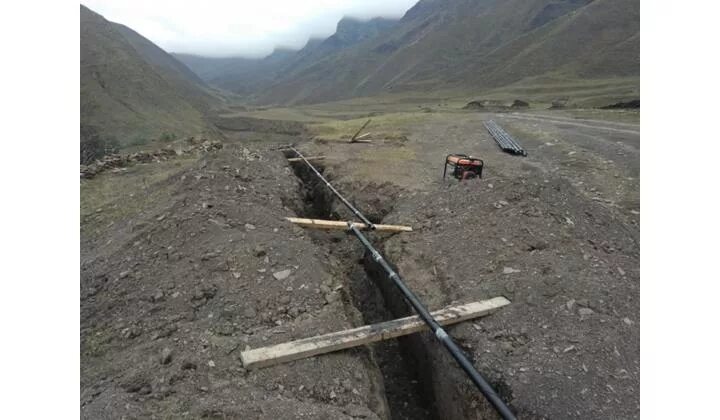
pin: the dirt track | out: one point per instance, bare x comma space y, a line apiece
192, 272
632, 129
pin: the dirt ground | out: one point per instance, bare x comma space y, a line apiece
184, 263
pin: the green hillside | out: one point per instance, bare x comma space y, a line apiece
132, 95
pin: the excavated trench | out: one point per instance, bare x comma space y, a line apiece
403, 362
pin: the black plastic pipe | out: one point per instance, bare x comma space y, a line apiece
352, 208
422, 311
437, 329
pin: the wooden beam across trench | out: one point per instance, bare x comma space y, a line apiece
326, 343
297, 159
340, 225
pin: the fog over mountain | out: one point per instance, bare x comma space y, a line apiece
245, 28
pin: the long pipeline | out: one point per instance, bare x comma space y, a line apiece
422, 311
350, 207
439, 332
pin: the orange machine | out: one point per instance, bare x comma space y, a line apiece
463, 166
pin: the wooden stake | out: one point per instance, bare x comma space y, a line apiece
340, 225
308, 347
352, 139
297, 159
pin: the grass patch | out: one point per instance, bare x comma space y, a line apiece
390, 126
631, 116
167, 137
382, 165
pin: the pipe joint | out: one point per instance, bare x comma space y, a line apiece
441, 334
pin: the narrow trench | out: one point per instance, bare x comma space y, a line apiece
402, 361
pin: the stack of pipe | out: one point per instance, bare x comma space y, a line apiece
503, 139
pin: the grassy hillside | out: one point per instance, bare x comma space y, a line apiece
158, 58
132, 95
595, 41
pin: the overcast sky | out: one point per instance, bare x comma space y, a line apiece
239, 27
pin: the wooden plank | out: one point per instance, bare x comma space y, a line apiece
297, 159
313, 346
340, 225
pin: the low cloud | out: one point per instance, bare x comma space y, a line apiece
250, 28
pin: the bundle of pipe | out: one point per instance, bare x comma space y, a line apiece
447, 341
503, 139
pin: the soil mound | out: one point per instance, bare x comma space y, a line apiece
474, 105
633, 104
559, 103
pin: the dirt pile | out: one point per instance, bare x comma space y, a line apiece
495, 105
559, 103
474, 105
570, 269
171, 293
117, 160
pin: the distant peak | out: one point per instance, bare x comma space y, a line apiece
350, 22
424, 8
312, 42
283, 50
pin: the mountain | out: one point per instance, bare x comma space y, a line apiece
157, 57
247, 75
131, 91
238, 74
462, 45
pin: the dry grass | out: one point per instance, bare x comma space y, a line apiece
116, 196
387, 126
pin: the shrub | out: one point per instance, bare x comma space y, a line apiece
167, 137
93, 146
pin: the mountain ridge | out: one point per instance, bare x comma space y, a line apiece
453, 44
247, 75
